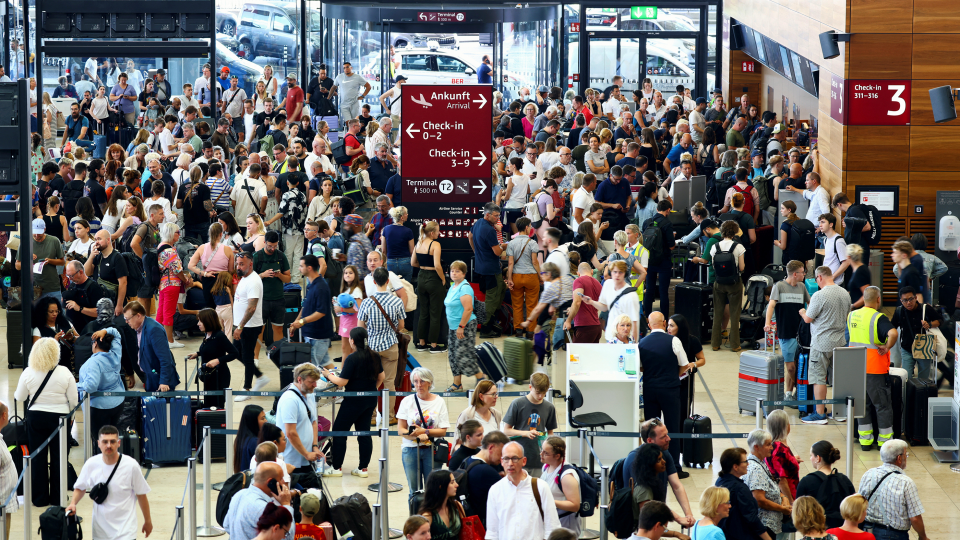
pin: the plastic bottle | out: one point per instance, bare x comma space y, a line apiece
621, 364
631, 364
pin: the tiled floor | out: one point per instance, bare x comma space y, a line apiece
939, 487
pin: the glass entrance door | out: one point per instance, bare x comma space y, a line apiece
610, 56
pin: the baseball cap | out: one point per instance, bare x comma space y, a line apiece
755, 153
354, 219
543, 88
778, 128
291, 76
161, 71
39, 226
234, 77
224, 69
701, 101
309, 504
399, 78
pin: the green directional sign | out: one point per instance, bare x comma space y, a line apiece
643, 12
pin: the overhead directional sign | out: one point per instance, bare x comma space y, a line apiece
447, 155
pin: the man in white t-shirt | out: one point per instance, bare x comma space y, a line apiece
168, 144
611, 107
532, 168
249, 194
697, 121
187, 99
551, 246
319, 147
116, 517
582, 201
374, 261
611, 300
248, 318
834, 248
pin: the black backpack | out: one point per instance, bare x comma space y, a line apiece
71, 192
462, 476
619, 518
832, 492
725, 266
805, 238
876, 222
55, 524
709, 166
589, 491
759, 142
653, 241
124, 245
234, 484
134, 273
717, 189
151, 267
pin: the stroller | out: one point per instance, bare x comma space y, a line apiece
753, 317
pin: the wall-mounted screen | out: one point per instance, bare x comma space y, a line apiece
761, 54
773, 54
785, 60
797, 71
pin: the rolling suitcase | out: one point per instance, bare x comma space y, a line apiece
216, 419
492, 362
695, 302
918, 393
697, 452
166, 429
763, 247
130, 444
14, 339
352, 514
761, 377
292, 302
804, 388
518, 355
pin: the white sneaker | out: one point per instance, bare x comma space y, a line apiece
176, 345
256, 362
332, 472
238, 399
360, 473
261, 382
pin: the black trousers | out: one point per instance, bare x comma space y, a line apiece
46, 486
665, 404
664, 272
207, 284
357, 414
246, 347
100, 418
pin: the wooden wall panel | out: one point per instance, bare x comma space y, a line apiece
879, 56
877, 148
874, 178
921, 114
831, 177
936, 56
932, 147
880, 16
924, 187
935, 16
832, 140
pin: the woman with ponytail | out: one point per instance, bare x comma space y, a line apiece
362, 372
564, 482
822, 457
430, 286
275, 523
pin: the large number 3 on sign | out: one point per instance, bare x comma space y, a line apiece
899, 88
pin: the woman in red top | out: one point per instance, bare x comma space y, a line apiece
854, 512
784, 465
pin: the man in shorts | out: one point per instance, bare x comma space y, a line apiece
274, 269
827, 316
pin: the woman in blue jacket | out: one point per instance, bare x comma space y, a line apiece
101, 373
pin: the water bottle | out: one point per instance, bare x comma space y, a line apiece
621, 365
631, 365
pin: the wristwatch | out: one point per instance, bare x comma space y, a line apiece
300, 321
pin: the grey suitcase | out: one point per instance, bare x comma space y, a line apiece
761, 377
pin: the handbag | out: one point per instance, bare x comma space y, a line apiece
99, 492
403, 341
471, 528
441, 448
15, 296
929, 344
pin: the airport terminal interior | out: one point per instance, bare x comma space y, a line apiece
863, 89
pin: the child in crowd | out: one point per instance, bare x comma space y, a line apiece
222, 297
309, 507
531, 420
352, 286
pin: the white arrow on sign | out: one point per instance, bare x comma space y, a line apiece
482, 159
482, 101
482, 187
422, 101
411, 131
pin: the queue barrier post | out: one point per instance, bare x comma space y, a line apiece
228, 407
27, 496
850, 422
384, 427
191, 524
549, 397
64, 450
3, 523
582, 435
604, 499
759, 414
207, 530
87, 435
376, 522
178, 525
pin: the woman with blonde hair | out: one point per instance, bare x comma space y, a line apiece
271, 82
259, 96
529, 116
809, 520
861, 276
430, 287
854, 512
172, 279
215, 256
564, 482
43, 410
143, 137
482, 409
396, 242
372, 127
715, 506
624, 334
133, 215
605, 137
51, 115
322, 129
255, 234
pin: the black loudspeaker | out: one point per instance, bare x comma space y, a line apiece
829, 45
736, 37
941, 101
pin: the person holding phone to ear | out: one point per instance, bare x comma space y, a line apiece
247, 505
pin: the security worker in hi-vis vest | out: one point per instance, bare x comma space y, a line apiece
871, 329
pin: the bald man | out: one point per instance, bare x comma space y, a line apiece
107, 266
795, 180
664, 360
248, 504
686, 145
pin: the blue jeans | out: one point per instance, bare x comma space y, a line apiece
789, 347
923, 366
886, 534
83, 143
401, 267
409, 457
319, 352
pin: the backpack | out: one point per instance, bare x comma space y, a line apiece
848, 273
653, 241
589, 491
748, 205
709, 166
717, 189
339, 150
71, 192
616, 473
805, 238
134, 273
764, 191
558, 206
619, 519
757, 287
55, 524
234, 484
760, 143
124, 245
725, 266
532, 211
876, 222
832, 492
152, 273
266, 143
462, 476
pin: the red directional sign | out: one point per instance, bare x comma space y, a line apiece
446, 150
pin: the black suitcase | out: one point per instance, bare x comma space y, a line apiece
695, 302
286, 376
697, 452
216, 419
130, 444
352, 513
14, 339
15, 436
915, 420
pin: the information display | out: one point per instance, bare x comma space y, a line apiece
859, 102
446, 163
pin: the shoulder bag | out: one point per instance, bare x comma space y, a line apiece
928, 344
99, 492
441, 448
33, 399
403, 341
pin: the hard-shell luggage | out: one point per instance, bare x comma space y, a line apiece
130, 444
216, 419
518, 355
753, 317
14, 339
681, 254
761, 377
695, 302
352, 514
292, 302
804, 388
763, 247
492, 362
166, 429
918, 393
697, 452
99, 147
15, 436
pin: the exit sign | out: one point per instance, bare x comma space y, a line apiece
747, 67
643, 12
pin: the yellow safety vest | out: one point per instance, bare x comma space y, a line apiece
863, 325
638, 253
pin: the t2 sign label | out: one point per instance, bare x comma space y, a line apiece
871, 102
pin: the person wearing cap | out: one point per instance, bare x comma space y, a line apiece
293, 99
162, 86
777, 139
698, 123
49, 251
309, 507
394, 95
233, 98
223, 81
